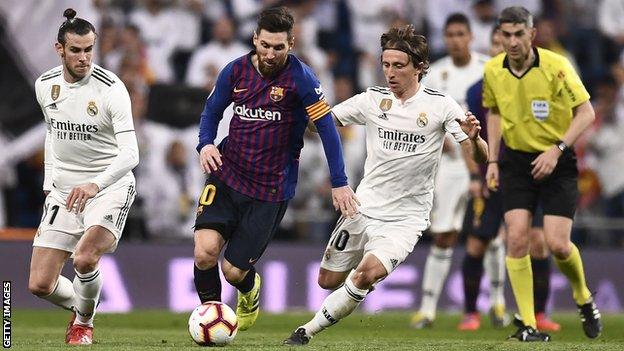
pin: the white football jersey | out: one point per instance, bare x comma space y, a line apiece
82, 120
403, 144
444, 76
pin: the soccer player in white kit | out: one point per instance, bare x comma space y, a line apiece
90, 150
457, 178
405, 128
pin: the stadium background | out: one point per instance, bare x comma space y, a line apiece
168, 53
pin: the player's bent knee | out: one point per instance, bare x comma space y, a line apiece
85, 262
365, 279
328, 282
40, 288
561, 250
205, 260
233, 275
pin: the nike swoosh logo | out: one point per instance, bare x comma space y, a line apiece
252, 260
236, 90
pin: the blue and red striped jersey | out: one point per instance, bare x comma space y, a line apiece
261, 152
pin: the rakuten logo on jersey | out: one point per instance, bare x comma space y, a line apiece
256, 114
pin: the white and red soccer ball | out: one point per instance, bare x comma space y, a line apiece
213, 323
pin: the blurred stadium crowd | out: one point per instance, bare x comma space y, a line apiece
169, 52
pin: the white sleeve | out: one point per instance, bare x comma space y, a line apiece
352, 110
118, 106
453, 113
47, 161
47, 148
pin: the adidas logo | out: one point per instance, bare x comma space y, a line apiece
383, 116
109, 218
394, 262
53, 106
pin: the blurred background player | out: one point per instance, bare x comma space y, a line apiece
484, 218
406, 127
539, 105
452, 75
90, 150
253, 172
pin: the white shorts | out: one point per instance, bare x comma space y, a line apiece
352, 238
61, 229
450, 199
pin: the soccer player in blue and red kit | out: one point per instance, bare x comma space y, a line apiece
253, 172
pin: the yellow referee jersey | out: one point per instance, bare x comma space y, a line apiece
535, 108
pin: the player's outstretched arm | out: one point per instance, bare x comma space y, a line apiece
476, 146
494, 139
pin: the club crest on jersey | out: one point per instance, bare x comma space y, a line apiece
92, 110
55, 92
422, 120
277, 93
444, 75
385, 104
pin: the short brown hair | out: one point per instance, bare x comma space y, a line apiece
414, 45
276, 20
516, 15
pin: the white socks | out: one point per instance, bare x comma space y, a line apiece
63, 294
436, 270
87, 287
494, 265
336, 306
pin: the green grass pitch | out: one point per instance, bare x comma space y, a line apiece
157, 330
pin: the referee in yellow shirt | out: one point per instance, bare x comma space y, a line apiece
540, 106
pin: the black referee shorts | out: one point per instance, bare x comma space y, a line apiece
557, 193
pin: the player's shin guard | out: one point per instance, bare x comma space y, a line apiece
336, 306
472, 271
436, 270
63, 294
572, 268
247, 283
494, 266
521, 278
87, 287
541, 283
208, 283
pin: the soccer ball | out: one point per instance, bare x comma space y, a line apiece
213, 324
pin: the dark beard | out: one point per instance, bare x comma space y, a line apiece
267, 71
74, 74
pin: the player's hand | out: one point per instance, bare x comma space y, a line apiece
545, 163
210, 158
345, 200
471, 125
492, 176
79, 195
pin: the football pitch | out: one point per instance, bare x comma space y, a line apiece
156, 330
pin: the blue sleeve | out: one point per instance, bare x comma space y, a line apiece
333, 150
474, 100
217, 102
312, 97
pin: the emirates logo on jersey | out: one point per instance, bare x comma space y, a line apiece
276, 94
